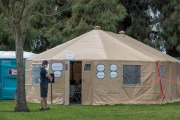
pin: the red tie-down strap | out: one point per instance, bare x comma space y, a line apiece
160, 80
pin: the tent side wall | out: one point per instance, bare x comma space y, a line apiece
32, 83
87, 82
112, 90
31, 87
59, 84
109, 90
173, 82
170, 79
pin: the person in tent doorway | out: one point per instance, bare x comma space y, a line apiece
44, 80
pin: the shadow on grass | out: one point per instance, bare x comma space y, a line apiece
5, 111
10, 111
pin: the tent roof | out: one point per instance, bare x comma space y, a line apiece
102, 45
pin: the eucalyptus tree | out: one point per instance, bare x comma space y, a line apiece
18, 14
168, 25
138, 24
49, 29
6, 40
85, 14
132, 16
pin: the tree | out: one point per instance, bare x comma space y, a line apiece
168, 29
17, 22
85, 14
17, 13
138, 22
6, 40
132, 16
48, 28
42, 33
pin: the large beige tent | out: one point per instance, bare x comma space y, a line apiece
110, 69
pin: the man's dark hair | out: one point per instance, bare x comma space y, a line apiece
45, 62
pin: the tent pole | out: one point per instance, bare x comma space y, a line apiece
51, 92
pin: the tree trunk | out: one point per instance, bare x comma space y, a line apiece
21, 103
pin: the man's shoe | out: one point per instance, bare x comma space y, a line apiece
48, 108
41, 109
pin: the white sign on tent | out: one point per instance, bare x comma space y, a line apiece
100, 67
113, 67
113, 74
57, 66
69, 57
100, 75
57, 74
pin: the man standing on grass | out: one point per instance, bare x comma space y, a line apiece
44, 80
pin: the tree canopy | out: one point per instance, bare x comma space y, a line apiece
85, 14
155, 23
17, 16
168, 29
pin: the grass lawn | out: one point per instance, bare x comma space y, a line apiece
169, 111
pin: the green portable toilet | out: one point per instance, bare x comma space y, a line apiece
8, 73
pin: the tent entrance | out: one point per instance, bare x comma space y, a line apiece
75, 92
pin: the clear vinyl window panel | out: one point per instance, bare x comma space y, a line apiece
131, 75
87, 67
36, 74
162, 73
66, 67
